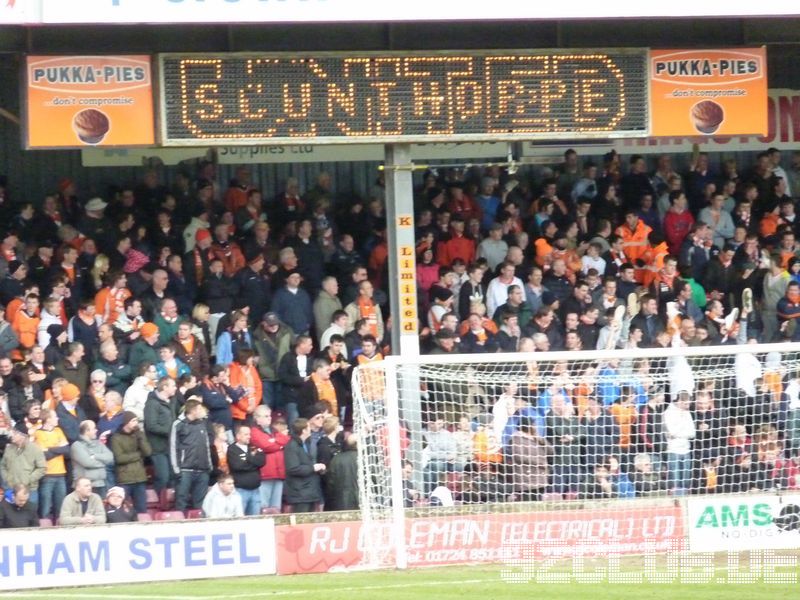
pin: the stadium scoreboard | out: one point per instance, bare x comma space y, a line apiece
339, 98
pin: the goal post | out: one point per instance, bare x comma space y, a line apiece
620, 430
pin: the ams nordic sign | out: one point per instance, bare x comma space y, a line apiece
743, 523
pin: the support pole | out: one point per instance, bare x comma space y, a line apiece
401, 242
405, 320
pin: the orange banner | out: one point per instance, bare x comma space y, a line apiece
708, 92
79, 101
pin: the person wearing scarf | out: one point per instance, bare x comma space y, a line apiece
93, 401
364, 307
228, 252
167, 320
317, 388
110, 301
199, 258
243, 374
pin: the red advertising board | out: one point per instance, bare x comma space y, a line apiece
318, 548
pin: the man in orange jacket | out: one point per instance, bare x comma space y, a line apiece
634, 234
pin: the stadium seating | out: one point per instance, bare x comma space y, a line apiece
170, 515
194, 513
45, 523
152, 498
166, 499
144, 517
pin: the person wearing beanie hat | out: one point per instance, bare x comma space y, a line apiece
70, 414
445, 342
130, 447
144, 349
442, 304
12, 285
548, 299
70, 392
135, 261
199, 215
56, 337
117, 510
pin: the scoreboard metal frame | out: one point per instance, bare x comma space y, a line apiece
393, 97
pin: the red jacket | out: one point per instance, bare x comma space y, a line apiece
676, 227
456, 247
272, 444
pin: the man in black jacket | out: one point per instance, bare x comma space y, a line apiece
245, 462
294, 370
648, 320
19, 513
302, 488
160, 412
254, 287
218, 290
191, 456
342, 478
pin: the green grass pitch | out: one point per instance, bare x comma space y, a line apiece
484, 581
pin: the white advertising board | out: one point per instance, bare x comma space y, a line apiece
110, 554
320, 11
743, 522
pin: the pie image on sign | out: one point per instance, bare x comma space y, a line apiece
91, 125
707, 116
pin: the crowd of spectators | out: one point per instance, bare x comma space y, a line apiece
603, 257
149, 337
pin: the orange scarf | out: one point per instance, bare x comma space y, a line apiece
221, 449
367, 310
326, 391
101, 402
188, 345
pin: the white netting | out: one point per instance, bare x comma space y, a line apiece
554, 428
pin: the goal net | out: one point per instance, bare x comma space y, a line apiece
520, 435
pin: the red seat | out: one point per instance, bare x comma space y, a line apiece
270, 510
45, 523
152, 498
166, 499
152, 512
144, 517
194, 513
170, 515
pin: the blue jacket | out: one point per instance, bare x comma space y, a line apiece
219, 409
225, 347
183, 369
623, 486
294, 309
